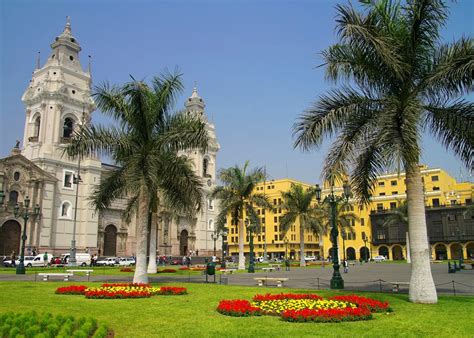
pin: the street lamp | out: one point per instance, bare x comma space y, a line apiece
24, 213
336, 281
224, 235
286, 247
249, 226
214, 238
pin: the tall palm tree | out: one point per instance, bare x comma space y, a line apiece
145, 146
399, 81
397, 216
299, 206
237, 200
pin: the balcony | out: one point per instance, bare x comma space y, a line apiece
33, 139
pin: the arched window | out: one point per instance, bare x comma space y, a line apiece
205, 165
13, 198
68, 127
211, 224
66, 210
37, 126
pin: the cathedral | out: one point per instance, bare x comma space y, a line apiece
57, 101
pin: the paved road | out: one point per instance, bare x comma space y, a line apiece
366, 277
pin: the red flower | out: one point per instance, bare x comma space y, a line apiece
372, 304
238, 308
166, 271
71, 290
327, 315
172, 290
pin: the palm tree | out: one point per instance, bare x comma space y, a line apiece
397, 216
399, 81
237, 200
299, 206
145, 146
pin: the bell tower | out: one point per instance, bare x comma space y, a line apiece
57, 101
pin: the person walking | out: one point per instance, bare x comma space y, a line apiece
45, 258
13, 257
346, 266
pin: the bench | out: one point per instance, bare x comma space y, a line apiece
88, 272
264, 281
396, 285
47, 275
268, 269
227, 271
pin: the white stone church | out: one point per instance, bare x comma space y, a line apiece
57, 100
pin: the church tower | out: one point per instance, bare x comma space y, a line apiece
195, 235
57, 101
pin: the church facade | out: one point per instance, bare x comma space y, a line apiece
57, 101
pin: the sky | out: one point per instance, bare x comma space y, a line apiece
254, 63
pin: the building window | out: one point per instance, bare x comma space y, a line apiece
434, 178
211, 224
210, 204
16, 176
362, 222
13, 198
394, 192
435, 202
68, 127
379, 206
363, 235
66, 210
393, 205
468, 200
263, 211
205, 164
68, 179
381, 184
274, 201
451, 217
275, 219
382, 194
37, 126
435, 188
393, 183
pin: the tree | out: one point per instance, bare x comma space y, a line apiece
397, 216
145, 147
399, 81
299, 205
237, 200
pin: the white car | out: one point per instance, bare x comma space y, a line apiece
379, 259
109, 261
27, 259
127, 261
310, 258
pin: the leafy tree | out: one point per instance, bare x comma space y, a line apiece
145, 145
237, 200
299, 206
400, 80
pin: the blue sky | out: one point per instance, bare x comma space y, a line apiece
254, 64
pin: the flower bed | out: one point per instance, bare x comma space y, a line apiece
305, 307
183, 268
166, 271
126, 270
120, 290
71, 290
238, 308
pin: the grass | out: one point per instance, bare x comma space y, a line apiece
101, 270
194, 315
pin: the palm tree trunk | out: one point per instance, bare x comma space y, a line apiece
142, 236
241, 245
422, 288
302, 261
152, 259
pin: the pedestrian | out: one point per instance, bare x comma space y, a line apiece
45, 259
287, 264
346, 266
13, 257
188, 261
34, 251
184, 260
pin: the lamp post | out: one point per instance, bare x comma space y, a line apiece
224, 235
365, 251
24, 213
286, 247
343, 235
336, 281
214, 238
249, 226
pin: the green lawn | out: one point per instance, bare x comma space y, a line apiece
194, 315
100, 270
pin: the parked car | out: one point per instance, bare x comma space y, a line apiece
27, 259
82, 258
379, 258
127, 261
310, 258
109, 261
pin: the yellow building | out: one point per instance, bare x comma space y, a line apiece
270, 239
450, 226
